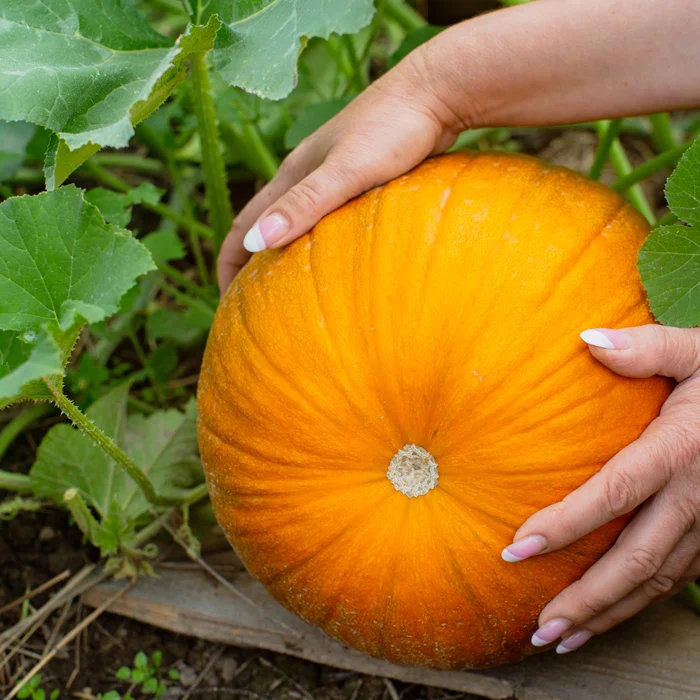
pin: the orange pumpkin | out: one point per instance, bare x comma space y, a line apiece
385, 401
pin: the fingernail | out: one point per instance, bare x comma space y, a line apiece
522, 549
607, 339
550, 631
266, 233
576, 640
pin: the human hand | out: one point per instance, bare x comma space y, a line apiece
658, 552
546, 62
391, 127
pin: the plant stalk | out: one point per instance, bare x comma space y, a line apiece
609, 131
404, 15
215, 179
84, 519
20, 483
104, 442
663, 160
187, 300
661, 132
21, 422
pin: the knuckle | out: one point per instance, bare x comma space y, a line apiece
640, 566
619, 493
659, 584
308, 194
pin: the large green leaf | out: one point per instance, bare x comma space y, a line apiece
669, 261
14, 139
164, 445
61, 266
258, 46
78, 67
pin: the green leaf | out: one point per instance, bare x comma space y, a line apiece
39, 694
683, 187
174, 674
150, 686
161, 690
157, 658
113, 531
313, 117
23, 366
184, 327
55, 694
140, 660
164, 245
111, 695
258, 46
77, 67
669, 260
123, 673
115, 207
14, 140
163, 444
669, 263
412, 41
60, 263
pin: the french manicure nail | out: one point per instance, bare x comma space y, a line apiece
266, 233
522, 549
607, 339
575, 641
550, 631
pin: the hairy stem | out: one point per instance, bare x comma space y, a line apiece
215, 179
84, 519
663, 160
21, 422
609, 131
129, 160
104, 442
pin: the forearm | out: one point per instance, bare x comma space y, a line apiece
562, 61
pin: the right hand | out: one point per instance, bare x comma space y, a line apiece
388, 129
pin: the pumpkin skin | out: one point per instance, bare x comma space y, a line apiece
441, 310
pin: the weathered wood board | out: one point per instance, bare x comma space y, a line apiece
655, 656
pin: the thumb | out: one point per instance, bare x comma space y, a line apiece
647, 350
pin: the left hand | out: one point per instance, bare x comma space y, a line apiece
658, 552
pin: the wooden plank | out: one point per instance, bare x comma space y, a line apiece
654, 656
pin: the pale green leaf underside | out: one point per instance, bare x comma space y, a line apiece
258, 46
77, 67
164, 445
60, 262
23, 366
14, 137
683, 187
669, 264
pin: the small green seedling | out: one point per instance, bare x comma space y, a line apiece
35, 692
146, 674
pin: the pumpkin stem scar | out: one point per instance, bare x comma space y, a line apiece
413, 471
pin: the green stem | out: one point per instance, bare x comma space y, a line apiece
196, 493
215, 179
84, 519
609, 131
359, 79
187, 300
179, 278
267, 161
116, 183
661, 132
15, 482
128, 160
21, 422
663, 160
104, 442
621, 166
404, 15
143, 359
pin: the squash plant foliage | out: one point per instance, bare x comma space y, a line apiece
208, 87
87, 73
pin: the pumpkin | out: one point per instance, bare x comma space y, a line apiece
384, 402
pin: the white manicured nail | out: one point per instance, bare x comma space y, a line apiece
598, 339
253, 241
